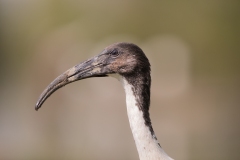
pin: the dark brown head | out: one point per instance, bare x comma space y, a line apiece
125, 59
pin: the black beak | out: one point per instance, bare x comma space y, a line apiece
94, 67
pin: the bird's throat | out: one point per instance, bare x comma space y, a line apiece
145, 139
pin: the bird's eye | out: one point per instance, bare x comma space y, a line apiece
114, 53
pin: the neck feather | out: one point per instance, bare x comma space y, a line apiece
140, 123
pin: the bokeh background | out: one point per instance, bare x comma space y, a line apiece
194, 49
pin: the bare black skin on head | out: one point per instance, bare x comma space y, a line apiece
125, 59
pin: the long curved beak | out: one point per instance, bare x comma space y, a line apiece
95, 67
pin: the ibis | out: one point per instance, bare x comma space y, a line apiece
128, 63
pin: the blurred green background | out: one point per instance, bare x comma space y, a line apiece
194, 50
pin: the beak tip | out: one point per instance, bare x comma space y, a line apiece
37, 107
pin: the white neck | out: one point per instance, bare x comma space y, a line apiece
147, 145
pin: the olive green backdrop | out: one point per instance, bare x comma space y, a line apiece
194, 50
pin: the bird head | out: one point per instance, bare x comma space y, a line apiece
120, 58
